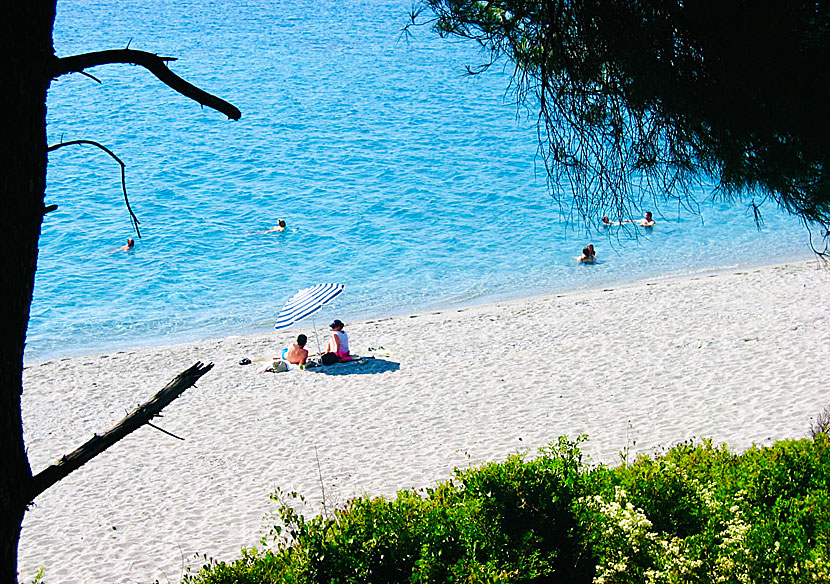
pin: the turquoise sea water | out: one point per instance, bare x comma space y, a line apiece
414, 185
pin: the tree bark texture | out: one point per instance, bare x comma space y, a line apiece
27, 52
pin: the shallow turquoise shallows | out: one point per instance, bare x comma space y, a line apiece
411, 183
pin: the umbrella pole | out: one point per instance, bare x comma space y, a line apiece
314, 324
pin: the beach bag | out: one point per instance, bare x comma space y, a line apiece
275, 366
329, 358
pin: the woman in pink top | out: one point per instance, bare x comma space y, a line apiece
339, 341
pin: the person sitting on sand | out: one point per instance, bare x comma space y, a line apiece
128, 246
586, 257
297, 353
338, 347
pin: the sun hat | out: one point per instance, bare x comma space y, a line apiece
336, 324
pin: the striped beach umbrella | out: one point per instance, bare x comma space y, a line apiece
305, 303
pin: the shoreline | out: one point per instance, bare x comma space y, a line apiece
202, 336
734, 355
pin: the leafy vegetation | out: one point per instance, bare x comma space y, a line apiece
695, 513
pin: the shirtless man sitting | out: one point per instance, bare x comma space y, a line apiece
297, 353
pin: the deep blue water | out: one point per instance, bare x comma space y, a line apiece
413, 184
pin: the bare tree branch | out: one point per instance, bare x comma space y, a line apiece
163, 431
133, 218
155, 64
100, 442
93, 77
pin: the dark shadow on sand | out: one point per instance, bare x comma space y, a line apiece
357, 368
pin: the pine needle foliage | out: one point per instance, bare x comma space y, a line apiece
643, 100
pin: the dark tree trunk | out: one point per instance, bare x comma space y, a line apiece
28, 65
26, 53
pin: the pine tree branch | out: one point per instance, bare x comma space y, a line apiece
100, 442
155, 64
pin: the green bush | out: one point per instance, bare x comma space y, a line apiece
695, 513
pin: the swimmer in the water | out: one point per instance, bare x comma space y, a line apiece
278, 228
128, 246
587, 257
646, 221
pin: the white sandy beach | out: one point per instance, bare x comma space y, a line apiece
741, 357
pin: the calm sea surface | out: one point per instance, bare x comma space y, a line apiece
414, 185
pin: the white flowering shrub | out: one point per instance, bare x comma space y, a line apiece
629, 549
621, 536
733, 559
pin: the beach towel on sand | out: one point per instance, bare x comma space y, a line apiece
333, 359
